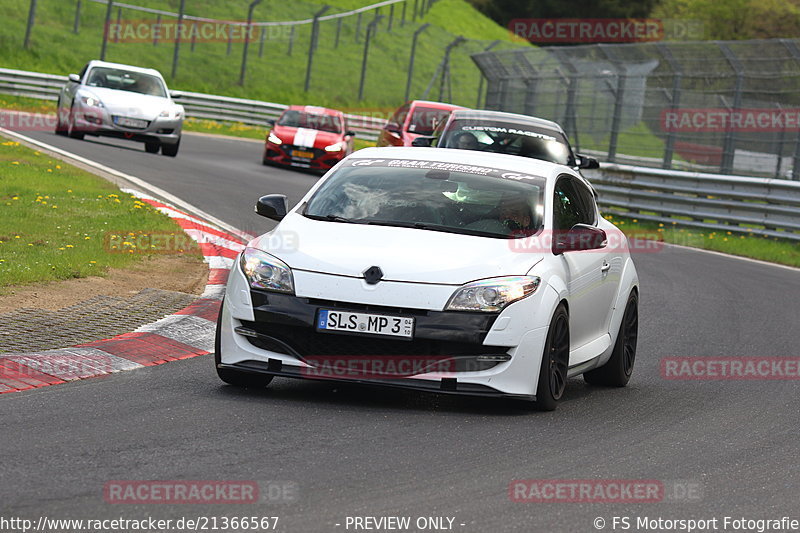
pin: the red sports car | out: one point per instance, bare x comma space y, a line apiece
415, 118
310, 137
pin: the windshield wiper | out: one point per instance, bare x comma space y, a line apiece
439, 227
331, 218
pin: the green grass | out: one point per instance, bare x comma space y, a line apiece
763, 248
58, 222
276, 76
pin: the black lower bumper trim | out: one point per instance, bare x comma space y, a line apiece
445, 386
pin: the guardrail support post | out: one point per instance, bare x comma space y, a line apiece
243, 71
103, 49
29, 27
76, 25
312, 45
413, 53
178, 37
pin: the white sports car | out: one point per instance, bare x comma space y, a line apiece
121, 101
440, 270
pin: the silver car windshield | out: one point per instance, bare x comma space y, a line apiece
126, 80
429, 195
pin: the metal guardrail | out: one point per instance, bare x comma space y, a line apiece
197, 105
759, 206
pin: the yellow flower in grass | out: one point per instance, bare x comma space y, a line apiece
15, 197
15, 162
70, 246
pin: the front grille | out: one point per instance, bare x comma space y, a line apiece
307, 342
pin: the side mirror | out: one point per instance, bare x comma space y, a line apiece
586, 162
393, 128
349, 134
176, 94
74, 78
272, 206
271, 122
580, 237
422, 141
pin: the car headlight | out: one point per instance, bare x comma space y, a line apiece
274, 139
492, 295
91, 101
264, 271
170, 113
336, 147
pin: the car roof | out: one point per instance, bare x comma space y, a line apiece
501, 116
435, 105
534, 167
98, 63
316, 110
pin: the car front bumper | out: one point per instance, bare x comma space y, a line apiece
454, 352
101, 122
286, 155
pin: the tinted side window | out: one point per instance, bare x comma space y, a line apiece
587, 200
568, 206
399, 116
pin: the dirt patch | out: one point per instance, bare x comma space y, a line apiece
178, 273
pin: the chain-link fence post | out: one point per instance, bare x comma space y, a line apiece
371, 30
312, 45
480, 81
29, 28
358, 28
262, 41
119, 22
403, 14
411, 59
338, 31
619, 97
230, 40
391, 18
104, 48
246, 47
157, 32
674, 102
179, 35
76, 25
729, 146
291, 42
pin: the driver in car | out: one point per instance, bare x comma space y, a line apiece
515, 214
466, 141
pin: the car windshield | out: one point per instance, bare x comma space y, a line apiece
312, 121
430, 195
508, 138
424, 119
126, 80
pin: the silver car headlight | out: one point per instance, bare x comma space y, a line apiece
264, 271
91, 101
492, 295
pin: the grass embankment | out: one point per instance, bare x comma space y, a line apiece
59, 222
277, 76
763, 248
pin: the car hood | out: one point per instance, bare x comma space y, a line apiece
403, 254
130, 104
305, 137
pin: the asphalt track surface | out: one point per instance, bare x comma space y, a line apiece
370, 452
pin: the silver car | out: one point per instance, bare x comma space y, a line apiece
121, 101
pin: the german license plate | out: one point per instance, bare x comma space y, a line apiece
303, 154
131, 122
392, 326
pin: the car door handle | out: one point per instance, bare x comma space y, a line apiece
606, 267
